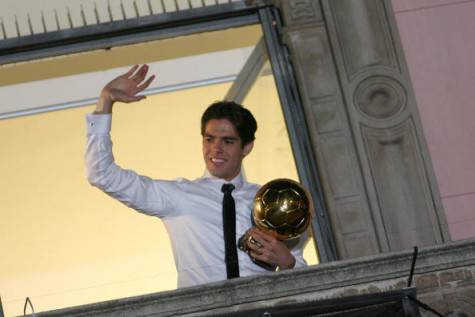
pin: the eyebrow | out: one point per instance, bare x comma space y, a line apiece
232, 138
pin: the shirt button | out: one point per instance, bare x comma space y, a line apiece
91, 124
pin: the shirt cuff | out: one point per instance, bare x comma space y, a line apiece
98, 123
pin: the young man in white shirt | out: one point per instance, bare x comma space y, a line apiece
190, 210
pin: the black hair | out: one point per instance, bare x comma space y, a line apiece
240, 117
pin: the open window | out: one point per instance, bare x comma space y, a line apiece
73, 244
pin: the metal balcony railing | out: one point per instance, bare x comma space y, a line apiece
110, 23
15, 24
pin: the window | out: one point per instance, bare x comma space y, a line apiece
73, 244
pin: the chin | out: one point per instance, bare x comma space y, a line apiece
217, 174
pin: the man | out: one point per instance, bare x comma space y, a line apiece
190, 210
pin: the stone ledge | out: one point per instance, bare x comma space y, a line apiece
329, 280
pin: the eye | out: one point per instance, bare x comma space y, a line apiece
229, 141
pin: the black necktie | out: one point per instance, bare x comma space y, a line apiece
229, 229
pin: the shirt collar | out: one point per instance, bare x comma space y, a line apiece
237, 181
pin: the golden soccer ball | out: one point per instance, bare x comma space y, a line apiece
283, 208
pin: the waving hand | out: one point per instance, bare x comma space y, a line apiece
124, 88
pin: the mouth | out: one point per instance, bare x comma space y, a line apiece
217, 160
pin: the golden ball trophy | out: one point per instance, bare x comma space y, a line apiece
283, 208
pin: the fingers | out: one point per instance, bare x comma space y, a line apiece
264, 255
254, 245
131, 71
139, 78
140, 74
261, 236
260, 247
145, 84
265, 247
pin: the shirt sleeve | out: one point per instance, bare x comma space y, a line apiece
299, 260
152, 197
296, 248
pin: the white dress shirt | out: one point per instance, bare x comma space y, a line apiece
190, 210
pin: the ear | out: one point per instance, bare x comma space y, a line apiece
247, 148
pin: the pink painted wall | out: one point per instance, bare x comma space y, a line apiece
438, 37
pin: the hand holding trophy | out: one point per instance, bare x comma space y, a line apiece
282, 208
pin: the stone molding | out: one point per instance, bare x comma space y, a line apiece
331, 280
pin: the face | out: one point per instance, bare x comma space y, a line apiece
222, 149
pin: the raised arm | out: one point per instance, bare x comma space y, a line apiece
124, 88
152, 197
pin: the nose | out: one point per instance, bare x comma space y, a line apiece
217, 146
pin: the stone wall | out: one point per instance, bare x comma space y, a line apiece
377, 179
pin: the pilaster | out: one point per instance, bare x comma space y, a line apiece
379, 185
